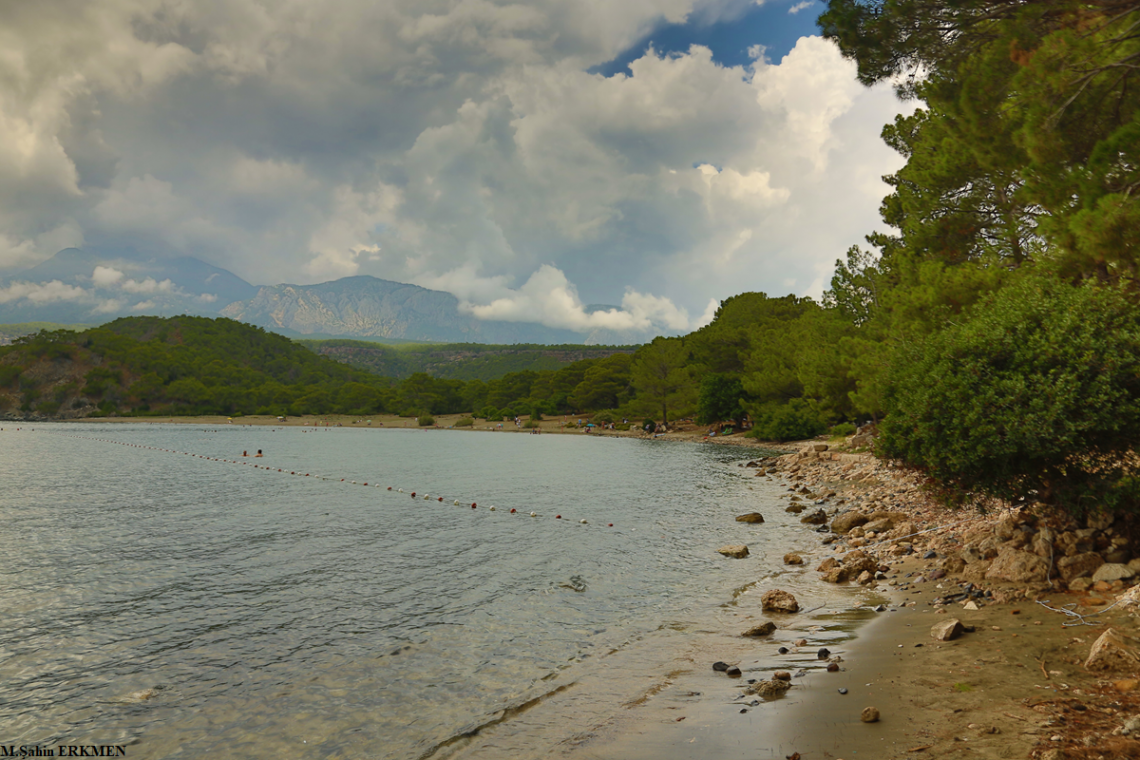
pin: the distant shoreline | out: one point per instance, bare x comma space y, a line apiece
556, 425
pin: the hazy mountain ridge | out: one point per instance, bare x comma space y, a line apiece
94, 285
365, 307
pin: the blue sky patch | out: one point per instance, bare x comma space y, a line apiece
771, 25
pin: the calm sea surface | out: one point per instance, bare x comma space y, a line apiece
191, 607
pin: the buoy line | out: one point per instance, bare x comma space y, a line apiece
392, 489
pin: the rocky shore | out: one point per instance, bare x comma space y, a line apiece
1006, 634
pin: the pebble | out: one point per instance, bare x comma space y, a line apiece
833, 667
869, 715
782, 650
823, 654
720, 666
843, 691
732, 671
930, 555
801, 642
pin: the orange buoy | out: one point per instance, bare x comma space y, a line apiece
389, 488
558, 517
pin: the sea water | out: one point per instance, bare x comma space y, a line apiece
155, 598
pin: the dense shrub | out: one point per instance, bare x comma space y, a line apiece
843, 429
1037, 395
797, 420
465, 422
425, 420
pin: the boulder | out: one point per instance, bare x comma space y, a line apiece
881, 525
1016, 566
947, 630
818, 517
1078, 565
795, 509
828, 564
856, 562
777, 600
1110, 572
820, 447
751, 517
764, 629
847, 521
865, 578
791, 558
735, 551
1113, 651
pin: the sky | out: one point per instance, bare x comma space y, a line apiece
529, 156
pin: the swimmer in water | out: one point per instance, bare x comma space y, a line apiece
258, 454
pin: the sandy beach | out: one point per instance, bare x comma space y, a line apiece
1013, 684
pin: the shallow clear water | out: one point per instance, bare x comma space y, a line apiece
270, 613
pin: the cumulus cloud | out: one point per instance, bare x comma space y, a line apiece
460, 144
42, 293
801, 6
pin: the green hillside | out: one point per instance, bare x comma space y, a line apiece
457, 361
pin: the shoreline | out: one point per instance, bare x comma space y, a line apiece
551, 426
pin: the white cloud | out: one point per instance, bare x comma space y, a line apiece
459, 145
42, 293
549, 298
148, 285
105, 277
801, 6
143, 306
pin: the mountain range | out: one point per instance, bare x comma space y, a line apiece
93, 285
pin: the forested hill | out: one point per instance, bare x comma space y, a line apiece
172, 365
459, 361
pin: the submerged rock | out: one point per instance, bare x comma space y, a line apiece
751, 517
777, 600
735, 551
766, 628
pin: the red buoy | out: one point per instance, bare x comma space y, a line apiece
558, 517
512, 511
413, 494
611, 525
473, 505
440, 499
389, 488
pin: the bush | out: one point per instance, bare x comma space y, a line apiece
425, 420
491, 413
649, 425
465, 422
1037, 395
604, 417
843, 429
797, 420
532, 424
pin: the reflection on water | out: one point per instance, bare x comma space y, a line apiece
192, 606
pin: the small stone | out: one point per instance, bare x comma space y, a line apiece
947, 630
737, 551
1110, 572
793, 559
1128, 684
869, 715
1113, 651
843, 691
720, 666
777, 600
930, 555
733, 671
770, 689
823, 654
782, 650
782, 675
751, 517
818, 517
833, 667
800, 642
766, 628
